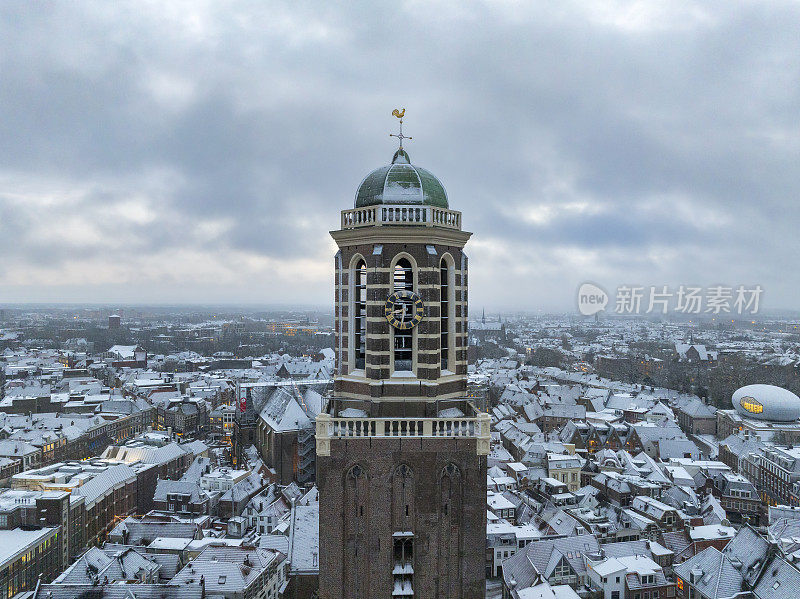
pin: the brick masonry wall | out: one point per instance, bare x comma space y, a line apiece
379, 286
356, 548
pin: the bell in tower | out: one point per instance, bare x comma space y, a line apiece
401, 450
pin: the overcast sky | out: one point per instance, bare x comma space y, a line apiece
201, 151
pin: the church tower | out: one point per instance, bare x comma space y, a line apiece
401, 450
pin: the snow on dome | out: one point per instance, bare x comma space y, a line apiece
401, 183
767, 402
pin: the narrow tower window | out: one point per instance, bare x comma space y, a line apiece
403, 340
403, 570
360, 314
444, 313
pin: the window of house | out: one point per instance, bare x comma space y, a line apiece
563, 569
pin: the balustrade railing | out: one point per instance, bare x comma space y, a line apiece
404, 427
328, 427
401, 215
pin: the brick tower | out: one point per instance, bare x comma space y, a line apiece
401, 450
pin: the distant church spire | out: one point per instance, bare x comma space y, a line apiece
483, 318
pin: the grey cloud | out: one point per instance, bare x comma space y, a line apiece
269, 115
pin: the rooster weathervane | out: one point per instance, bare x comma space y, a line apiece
400, 113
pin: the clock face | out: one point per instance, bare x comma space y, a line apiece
404, 310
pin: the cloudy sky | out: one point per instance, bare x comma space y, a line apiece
201, 151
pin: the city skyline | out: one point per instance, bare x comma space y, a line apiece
200, 154
467, 300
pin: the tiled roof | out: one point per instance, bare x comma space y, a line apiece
561, 522
749, 548
304, 544
545, 554
116, 591
169, 562
634, 584
165, 487
282, 412
715, 576
780, 580
697, 409
144, 453
244, 489
626, 548
196, 469
97, 565
519, 569
678, 542
226, 569
105, 481
677, 448
785, 528
648, 432
651, 507
140, 531
274, 542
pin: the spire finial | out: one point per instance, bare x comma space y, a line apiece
399, 113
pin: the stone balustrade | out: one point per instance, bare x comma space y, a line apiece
426, 216
477, 427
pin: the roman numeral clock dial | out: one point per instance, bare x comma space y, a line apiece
404, 310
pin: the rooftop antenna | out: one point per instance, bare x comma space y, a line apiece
400, 113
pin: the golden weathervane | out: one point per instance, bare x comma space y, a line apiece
399, 113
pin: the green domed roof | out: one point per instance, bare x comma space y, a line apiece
401, 183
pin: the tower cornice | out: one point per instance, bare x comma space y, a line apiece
400, 234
